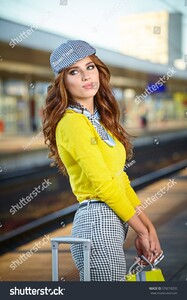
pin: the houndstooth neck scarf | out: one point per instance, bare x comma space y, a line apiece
95, 120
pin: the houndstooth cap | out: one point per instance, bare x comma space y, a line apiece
69, 53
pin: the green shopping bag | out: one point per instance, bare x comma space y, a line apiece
137, 272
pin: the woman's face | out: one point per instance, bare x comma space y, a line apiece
82, 79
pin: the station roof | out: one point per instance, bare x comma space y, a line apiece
46, 41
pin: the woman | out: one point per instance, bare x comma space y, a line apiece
81, 127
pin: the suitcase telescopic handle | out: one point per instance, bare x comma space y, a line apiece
70, 240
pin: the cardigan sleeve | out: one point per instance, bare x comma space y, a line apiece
130, 192
75, 135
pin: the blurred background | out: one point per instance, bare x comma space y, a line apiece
144, 44
139, 42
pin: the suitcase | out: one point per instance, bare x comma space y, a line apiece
70, 240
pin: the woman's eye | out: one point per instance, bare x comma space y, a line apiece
73, 72
90, 67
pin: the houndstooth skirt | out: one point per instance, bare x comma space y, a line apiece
107, 233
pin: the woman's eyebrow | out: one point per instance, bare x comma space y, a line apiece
76, 67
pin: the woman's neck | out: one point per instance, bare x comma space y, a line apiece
89, 104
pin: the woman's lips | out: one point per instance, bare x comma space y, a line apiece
91, 85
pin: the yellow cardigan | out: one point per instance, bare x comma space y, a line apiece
95, 169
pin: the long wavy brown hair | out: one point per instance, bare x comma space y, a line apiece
58, 99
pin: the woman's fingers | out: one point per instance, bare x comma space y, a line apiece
143, 247
152, 246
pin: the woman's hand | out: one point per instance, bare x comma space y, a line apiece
142, 245
155, 247
142, 241
147, 242
149, 246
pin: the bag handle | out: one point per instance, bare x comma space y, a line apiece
142, 257
156, 261
147, 261
134, 265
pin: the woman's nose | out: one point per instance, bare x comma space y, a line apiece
85, 76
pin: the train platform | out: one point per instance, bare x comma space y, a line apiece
32, 261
